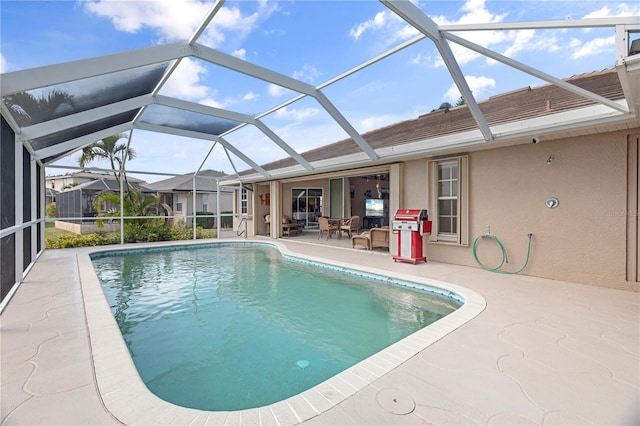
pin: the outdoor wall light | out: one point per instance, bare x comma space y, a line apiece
552, 202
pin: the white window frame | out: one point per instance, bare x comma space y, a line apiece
179, 202
244, 201
461, 236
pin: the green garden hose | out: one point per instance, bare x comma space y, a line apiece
505, 259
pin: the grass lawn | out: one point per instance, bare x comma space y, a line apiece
50, 231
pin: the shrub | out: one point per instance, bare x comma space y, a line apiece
89, 240
181, 231
50, 211
133, 233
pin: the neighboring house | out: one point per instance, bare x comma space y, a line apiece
564, 148
61, 182
177, 192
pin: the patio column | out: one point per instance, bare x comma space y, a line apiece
19, 218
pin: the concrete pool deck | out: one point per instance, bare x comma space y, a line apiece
541, 352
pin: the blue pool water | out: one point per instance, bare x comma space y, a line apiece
230, 327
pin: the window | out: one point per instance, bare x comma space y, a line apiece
244, 201
178, 203
205, 202
447, 208
448, 195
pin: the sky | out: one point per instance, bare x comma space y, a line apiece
312, 41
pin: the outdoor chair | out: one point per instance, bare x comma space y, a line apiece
361, 240
291, 227
374, 237
350, 226
379, 237
325, 226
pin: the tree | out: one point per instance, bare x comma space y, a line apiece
29, 109
71, 185
109, 149
447, 105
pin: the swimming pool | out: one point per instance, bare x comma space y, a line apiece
251, 285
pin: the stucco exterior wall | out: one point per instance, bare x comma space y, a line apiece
582, 240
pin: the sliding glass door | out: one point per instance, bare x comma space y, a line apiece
307, 205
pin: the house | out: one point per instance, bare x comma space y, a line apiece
571, 181
67, 180
177, 191
558, 161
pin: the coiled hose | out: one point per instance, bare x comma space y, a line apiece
505, 259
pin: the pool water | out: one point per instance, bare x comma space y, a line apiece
235, 327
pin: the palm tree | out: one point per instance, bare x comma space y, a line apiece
28, 109
109, 149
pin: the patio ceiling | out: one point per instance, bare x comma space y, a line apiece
123, 92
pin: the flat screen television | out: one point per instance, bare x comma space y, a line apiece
374, 207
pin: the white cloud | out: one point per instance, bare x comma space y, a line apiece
296, 113
379, 21
478, 86
185, 82
276, 91
475, 12
421, 58
388, 27
240, 53
3, 64
308, 73
211, 102
176, 20
592, 47
620, 10
584, 48
180, 155
521, 40
250, 96
171, 19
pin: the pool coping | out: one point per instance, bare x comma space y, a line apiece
127, 398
